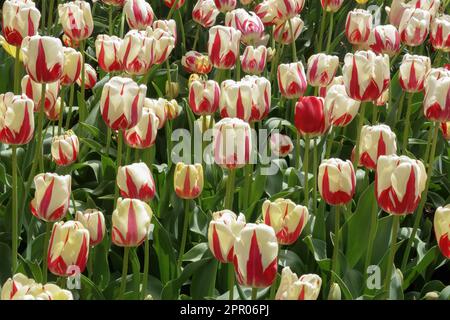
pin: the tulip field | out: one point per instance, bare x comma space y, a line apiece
225, 150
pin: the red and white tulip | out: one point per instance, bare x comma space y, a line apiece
205, 13
414, 26
223, 46
340, 107
20, 20
65, 148
280, 144
94, 221
442, 229
90, 76
321, 69
291, 80
188, 180
204, 97
136, 181
376, 141
254, 60
107, 52
337, 181
16, 119
385, 39
358, 26
72, 66
292, 287
76, 19
143, 135
139, 14
413, 72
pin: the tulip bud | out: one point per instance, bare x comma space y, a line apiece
158, 106
399, 182
194, 77
437, 92
310, 116
107, 52
232, 143
135, 53
321, 69
225, 5
76, 19
280, 145
204, 97
414, 26
143, 135
385, 40
188, 180
139, 14
286, 218
307, 287
207, 120
171, 3
331, 5
440, 33
248, 23
121, 103
172, 89
376, 141
43, 58
442, 229
335, 292
94, 221
366, 75
130, 222
223, 46
340, 107
358, 26
205, 13
432, 295
337, 181
72, 66
173, 109
16, 119
413, 72
255, 256
282, 32
65, 148
236, 99
33, 90
90, 76
445, 128
68, 247
20, 19
136, 181
291, 80
254, 60
195, 62
17, 288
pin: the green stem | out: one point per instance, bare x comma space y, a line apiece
372, 235
61, 111
119, 162
358, 135
374, 114
48, 229
330, 33
254, 293
274, 64
146, 267
231, 280
335, 266
71, 97
305, 169
15, 217
294, 48
108, 140
123, 283
111, 26
229, 194
187, 218
297, 152
183, 34
169, 79
122, 24
17, 72
50, 15
315, 176
407, 124
127, 155
39, 149
390, 262
400, 108
197, 36
168, 129
81, 103
169, 16
322, 31
238, 69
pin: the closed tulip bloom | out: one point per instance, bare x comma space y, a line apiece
68, 247
33, 90
90, 77
340, 107
17, 288
223, 46
121, 103
94, 221
321, 69
442, 229
385, 39
337, 181
399, 182
440, 33
143, 135
413, 72
130, 222
135, 52
292, 287
173, 109
139, 14
331, 5
311, 117
395, 11
254, 60
54, 111
280, 144
236, 99
445, 128
286, 9
188, 180
358, 26
282, 32
376, 141
169, 26
158, 106
195, 62
286, 218
49, 292
107, 52
76, 19
366, 75
248, 23
161, 44
65, 148
437, 92
136, 181
383, 99
16, 119
223, 230
232, 143
291, 80
72, 66
171, 3
43, 58
205, 13
20, 19
414, 26
225, 5
204, 97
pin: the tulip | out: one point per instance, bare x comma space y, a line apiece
204, 97
90, 77
121, 103
336, 81
358, 26
442, 229
161, 44
376, 141
205, 13
158, 106
307, 287
188, 180
139, 14
171, 3
223, 46
445, 128
286, 9
136, 181
135, 52
321, 69
366, 75
17, 288
223, 230
195, 62
54, 111
207, 121
236, 99
385, 40
16, 119
331, 5
225, 5
69, 42
282, 32
43, 58
49, 291
173, 109
143, 135
413, 71
286, 218
33, 90
291, 80
395, 11
130, 222
107, 52
94, 221
337, 181
340, 107
76, 19
261, 93
232, 143
248, 23
414, 26
335, 292
169, 26
254, 60
72, 66
440, 33
266, 11
20, 20
311, 117
399, 182
65, 148
280, 145
255, 256
437, 92
383, 99
68, 247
